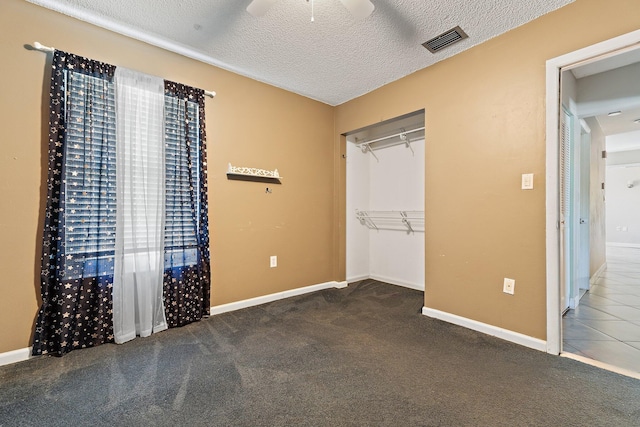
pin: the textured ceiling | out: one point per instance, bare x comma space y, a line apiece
333, 59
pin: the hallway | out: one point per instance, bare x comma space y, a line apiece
606, 324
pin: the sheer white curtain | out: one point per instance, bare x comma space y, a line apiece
140, 206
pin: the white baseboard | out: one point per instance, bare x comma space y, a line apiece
390, 280
397, 282
623, 245
574, 302
593, 279
505, 334
15, 356
252, 302
23, 354
357, 278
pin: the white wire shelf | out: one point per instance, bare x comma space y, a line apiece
409, 221
370, 146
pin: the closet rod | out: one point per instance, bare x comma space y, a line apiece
42, 48
392, 218
407, 143
389, 137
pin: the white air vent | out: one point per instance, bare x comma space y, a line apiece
445, 39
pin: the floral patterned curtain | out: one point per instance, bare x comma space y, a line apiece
79, 229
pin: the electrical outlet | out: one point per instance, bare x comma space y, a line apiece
509, 286
273, 261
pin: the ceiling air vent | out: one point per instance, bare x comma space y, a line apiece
445, 39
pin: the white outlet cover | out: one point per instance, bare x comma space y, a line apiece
509, 286
273, 261
527, 181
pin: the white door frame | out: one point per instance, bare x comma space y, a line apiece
554, 66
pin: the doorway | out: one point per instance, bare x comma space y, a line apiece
575, 196
385, 202
570, 184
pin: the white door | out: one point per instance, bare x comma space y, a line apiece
575, 160
566, 193
583, 248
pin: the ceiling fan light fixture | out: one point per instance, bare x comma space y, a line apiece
360, 9
259, 8
614, 113
637, 121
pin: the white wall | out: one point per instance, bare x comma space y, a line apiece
394, 182
626, 141
597, 214
357, 198
569, 86
622, 157
623, 205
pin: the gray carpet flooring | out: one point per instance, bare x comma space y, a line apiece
359, 356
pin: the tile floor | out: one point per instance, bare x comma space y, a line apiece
606, 324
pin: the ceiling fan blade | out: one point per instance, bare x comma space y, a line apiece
260, 7
359, 8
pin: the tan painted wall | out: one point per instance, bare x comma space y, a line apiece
248, 124
485, 120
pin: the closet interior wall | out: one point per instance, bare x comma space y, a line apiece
390, 181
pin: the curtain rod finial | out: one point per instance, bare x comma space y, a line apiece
39, 46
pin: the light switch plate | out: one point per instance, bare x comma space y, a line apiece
527, 181
273, 261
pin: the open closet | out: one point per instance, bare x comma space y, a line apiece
385, 201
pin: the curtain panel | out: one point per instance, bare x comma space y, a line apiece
187, 275
77, 269
79, 237
138, 308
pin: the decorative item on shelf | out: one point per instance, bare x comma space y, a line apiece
253, 174
409, 221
